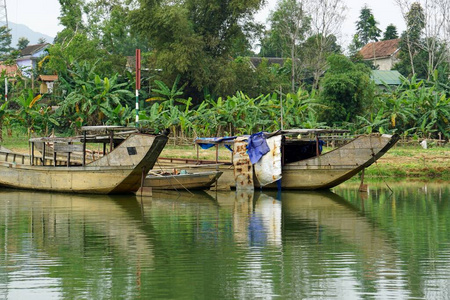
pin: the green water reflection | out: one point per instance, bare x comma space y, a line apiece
318, 245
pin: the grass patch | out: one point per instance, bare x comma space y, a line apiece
17, 143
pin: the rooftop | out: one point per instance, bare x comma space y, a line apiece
31, 49
380, 49
386, 77
48, 77
10, 70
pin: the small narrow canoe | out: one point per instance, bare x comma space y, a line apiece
189, 181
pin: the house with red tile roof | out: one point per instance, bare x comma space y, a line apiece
10, 70
383, 54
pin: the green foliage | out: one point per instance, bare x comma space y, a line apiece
416, 107
390, 33
204, 48
366, 27
313, 57
289, 25
346, 88
194, 38
90, 96
28, 112
4, 117
413, 57
169, 95
373, 122
71, 14
5, 42
237, 114
109, 23
22, 43
119, 116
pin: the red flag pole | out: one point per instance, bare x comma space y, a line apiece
138, 83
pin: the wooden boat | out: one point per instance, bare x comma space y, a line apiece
303, 166
181, 181
120, 171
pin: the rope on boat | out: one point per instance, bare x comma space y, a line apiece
379, 171
173, 176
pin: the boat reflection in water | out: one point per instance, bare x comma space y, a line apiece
323, 242
222, 245
59, 243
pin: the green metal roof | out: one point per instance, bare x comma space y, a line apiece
389, 77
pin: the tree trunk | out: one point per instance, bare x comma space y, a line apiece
293, 67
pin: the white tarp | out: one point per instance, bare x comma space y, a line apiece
268, 168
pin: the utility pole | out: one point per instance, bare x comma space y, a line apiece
3, 14
4, 22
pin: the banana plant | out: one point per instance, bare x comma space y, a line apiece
435, 115
373, 122
28, 111
44, 119
169, 96
89, 99
120, 115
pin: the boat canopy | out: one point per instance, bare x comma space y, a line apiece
297, 131
208, 142
295, 147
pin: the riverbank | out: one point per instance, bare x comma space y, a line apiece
399, 162
413, 162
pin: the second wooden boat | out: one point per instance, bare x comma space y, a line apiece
303, 166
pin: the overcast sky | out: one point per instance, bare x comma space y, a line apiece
42, 15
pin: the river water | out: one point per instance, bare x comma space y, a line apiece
392, 242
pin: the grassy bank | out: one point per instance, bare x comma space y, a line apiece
399, 162
413, 162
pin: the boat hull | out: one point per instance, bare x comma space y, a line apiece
121, 171
192, 181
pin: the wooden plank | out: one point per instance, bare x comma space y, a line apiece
67, 148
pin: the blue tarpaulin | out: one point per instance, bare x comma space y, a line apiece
257, 147
208, 142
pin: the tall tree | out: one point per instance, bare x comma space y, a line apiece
194, 38
290, 22
109, 23
411, 38
347, 88
427, 34
327, 17
77, 43
5, 42
22, 43
72, 14
313, 56
390, 33
366, 28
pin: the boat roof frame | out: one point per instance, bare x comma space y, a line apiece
286, 132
